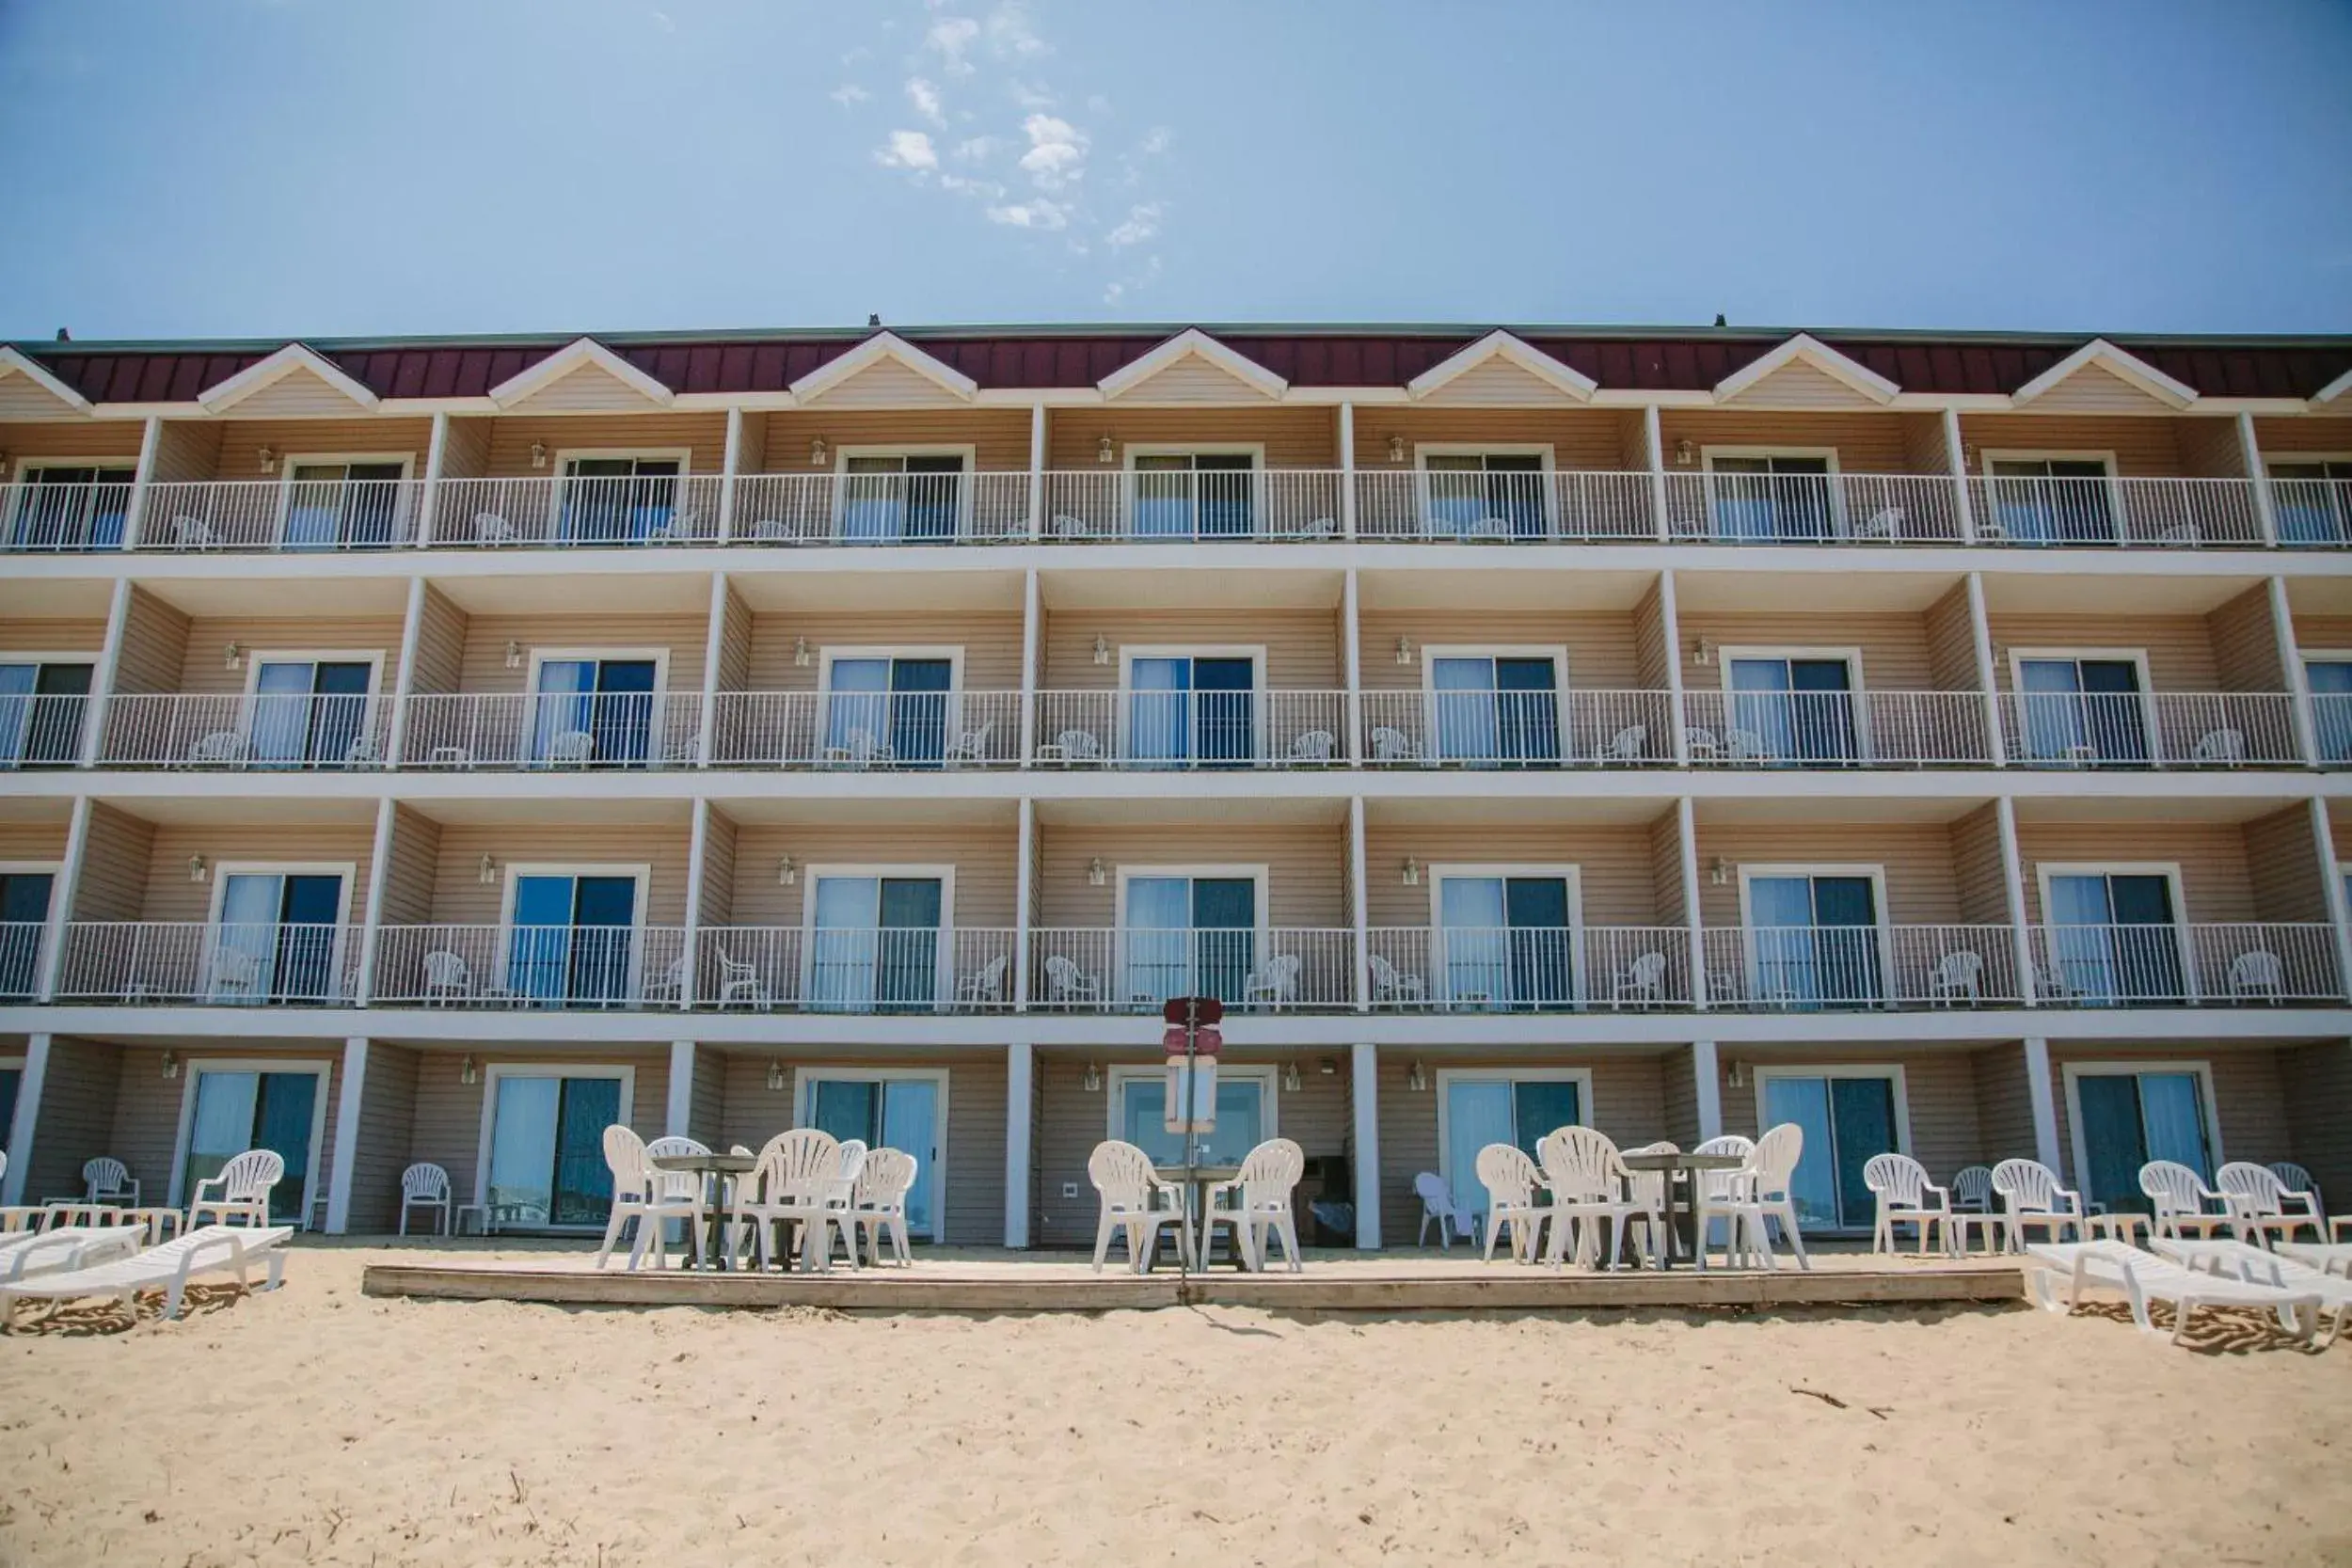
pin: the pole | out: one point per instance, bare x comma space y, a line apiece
1192, 1145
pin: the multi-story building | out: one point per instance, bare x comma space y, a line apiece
418, 750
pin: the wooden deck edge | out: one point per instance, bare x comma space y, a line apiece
1529, 1290
903, 1292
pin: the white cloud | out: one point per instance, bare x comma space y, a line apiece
849, 93
1030, 96
1157, 140
1118, 288
987, 190
925, 97
1010, 33
1057, 151
978, 149
1098, 104
1143, 222
953, 36
665, 21
1038, 213
907, 149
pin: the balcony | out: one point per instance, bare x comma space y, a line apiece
22, 945
2170, 513
1151, 505
281, 515
1836, 729
1285, 969
2161, 729
1800, 968
588, 514
1529, 969
202, 963
880, 509
2244, 964
493, 731
233, 730
1161, 730
860, 729
1518, 729
43, 518
1563, 504
835, 970
1812, 509
555, 967
41, 731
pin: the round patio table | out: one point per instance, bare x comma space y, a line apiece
1200, 1178
1688, 1166
715, 1170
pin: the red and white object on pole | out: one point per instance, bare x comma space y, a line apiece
1192, 1040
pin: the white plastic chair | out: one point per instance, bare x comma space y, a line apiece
878, 1204
1065, 987
2181, 1195
1274, 987
1647, 1191
219, 748
2258, 973
641, 1194
107, 1180
1627, 745
1439, 1207
739, 978
1315, 746
241, 1191
2259, 1203
2297, 1181
1511, 1179
1766, 1178
860, 748
1389, 987
1955, 979
424, 1186
985, 986
571, 749
491, 529
1905, 1197
1389, 744
2030, 1197
2220, 749
1261, 1206
1642, 982
1078, 746
799, 1180
446, 977
236, 975
1700, 742
1972, 1189
193, 533
970, 749
1136, 1204
1885, 524
1587, 1181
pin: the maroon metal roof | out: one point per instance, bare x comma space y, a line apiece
1042, 360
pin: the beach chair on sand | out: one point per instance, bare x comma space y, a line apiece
29, 1253
2259, 1266
168, 1268
2144, 1278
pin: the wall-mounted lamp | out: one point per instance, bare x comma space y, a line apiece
538, 454
1396, 448
1102, 650
198, 871
1703, 651
1968, 454
514, 655
469, 1071
1096, 876
786, 873
234, 656
1093, 1081
1405, 650
1720, 873
487, 872
1416, 1079
1104, 451
269, 461
1739, 1075
1327, 1066
171, 1063
801, 656
1411, 877
818, 453
775, 1076
1685, 453
1290, 1080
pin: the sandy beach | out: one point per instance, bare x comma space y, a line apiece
315, 1425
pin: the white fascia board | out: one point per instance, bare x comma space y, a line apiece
1821, 358
15, 363
224, 395
1565, 378
2129, 368
1192, 340
571, 356
2334, 390
881, 346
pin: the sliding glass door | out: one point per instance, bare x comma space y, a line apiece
1500, 710
343, 505
546, 1150
1244, 1098
594, 712
572, 940
2330, 681
278, 938
888, 710
309, 710
890, 498
2313, 500
2113, 936
1510, 941
1848, 1119
874, 944
1483, 1108
24, 914
1799, 710
1815, 940
2083, 710
1189, 936
1482, 495
618, 501
2129, 1118
1184, 710
2053, 500
1191, 495
70, 507
1772, 498
234, 1109
885, 1113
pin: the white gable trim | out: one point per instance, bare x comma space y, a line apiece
571, 356
884, 345
2328, 393
2138, 372
223, 396
14, 363
1192, 340
1543, 367
1821, 358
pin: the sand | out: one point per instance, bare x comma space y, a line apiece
317, 1426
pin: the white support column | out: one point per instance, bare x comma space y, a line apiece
1352, 658
1360, 901
1032, 613
678, 1113
2013, 888
151, 447
714, 647
1020, 1097
1365, 1087
436, 458
1980, 638
1956, 459
101, 677
371, 919
1706, 1082
729, 466
697, 851
27, 1119
2291, 668
1655, 441
2265, 507
352, 1090
1686, 828
2038, 1091
1036, 471
1024, 902
61, 895
2331, 883
1670, 627
1347, 474
405, 673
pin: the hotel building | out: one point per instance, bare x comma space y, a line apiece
431, 750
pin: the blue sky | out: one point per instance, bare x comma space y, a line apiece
322, 167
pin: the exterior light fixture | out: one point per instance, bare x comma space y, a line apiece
1327, 1066
786, 873
1412, 872
514, 655
1405, 650
196, 870
1720, 873
538, 454
818, 453
232, 656
1685, 453
775, 1075
269, 461
487, 873
1104, 451
1094, 1080
469, 1071
1396, 448
1102, 650
171, 1063
800, 653
1290, 1079
1703, 651
1417, 1080
1739, 1075
1095, 875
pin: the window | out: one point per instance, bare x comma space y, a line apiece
1814, 940
2330, 683
1509, 939
1850, 1116
335, 503
1771, 496
1245, 1115
2082, 710
911, 495
543, 1136
71, 506
1188, 934
310, 710
1195, 494
1492, 1106
24, 892
11, 1079
1487, 495
234, 1106
902, 1110
1187, 709
43, 703
572, 936
874, 942
2112, 936
594, 710
887, 709
1797, 709
277, 935
2053, 500
1495, 710
619, 499
2313, 500
2125, 1114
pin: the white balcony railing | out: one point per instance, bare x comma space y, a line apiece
1278, 970
531, 966
2313, 513
23, 942
1153, 505
2170, 513
880, 509
280, 514
2161, 729
41, 731
577, 512
2331, 727
1564, 504
866, 729
1812, 509
1529, 969
1837, 729
1106, 728
195, 962
1803, 967
470, 731
898, 970
36, 517
2242, 964
1518, 729
235, 730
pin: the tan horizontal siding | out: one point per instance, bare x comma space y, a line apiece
705, 436
387, 1108
2245, 646
707, 1107
1579, 437
447, 1127
1865, 443
983, 858
736, 630
1616, 878
441, 658
720, 840
115, 858
154, 645
188, 451
1603, 650
460, 897
171, 896
25, 441
2214, 881
147, 1107
241, 440
1894, 647
409, 868
483, 668
1980, 874
1294, 437
1302, 651
2316, 1081
999, 437
2330, 434
991, 644
35, 634
32, 841
77, 1117
2179, 647
1951, 642
465, 450
1303, 867
204, 667
1925, 450
2142, 447
2004, 1107
2282, 864
1678, 1098
2210, 449
1921, 883
2318, 633
1665, 858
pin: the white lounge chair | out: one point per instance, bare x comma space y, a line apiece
1440, 1208
1905, 1197
2259, 1202
641, 1194
241, 1191
878, 1204
424, 1186
2181, 1198
1587, 1181
1257, 1204
211, 1249
1136, 1205
2144, 1278
17, 1218
2031, 1197
2259, 1266
1511, 1180
2326, 1256
32, 1253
